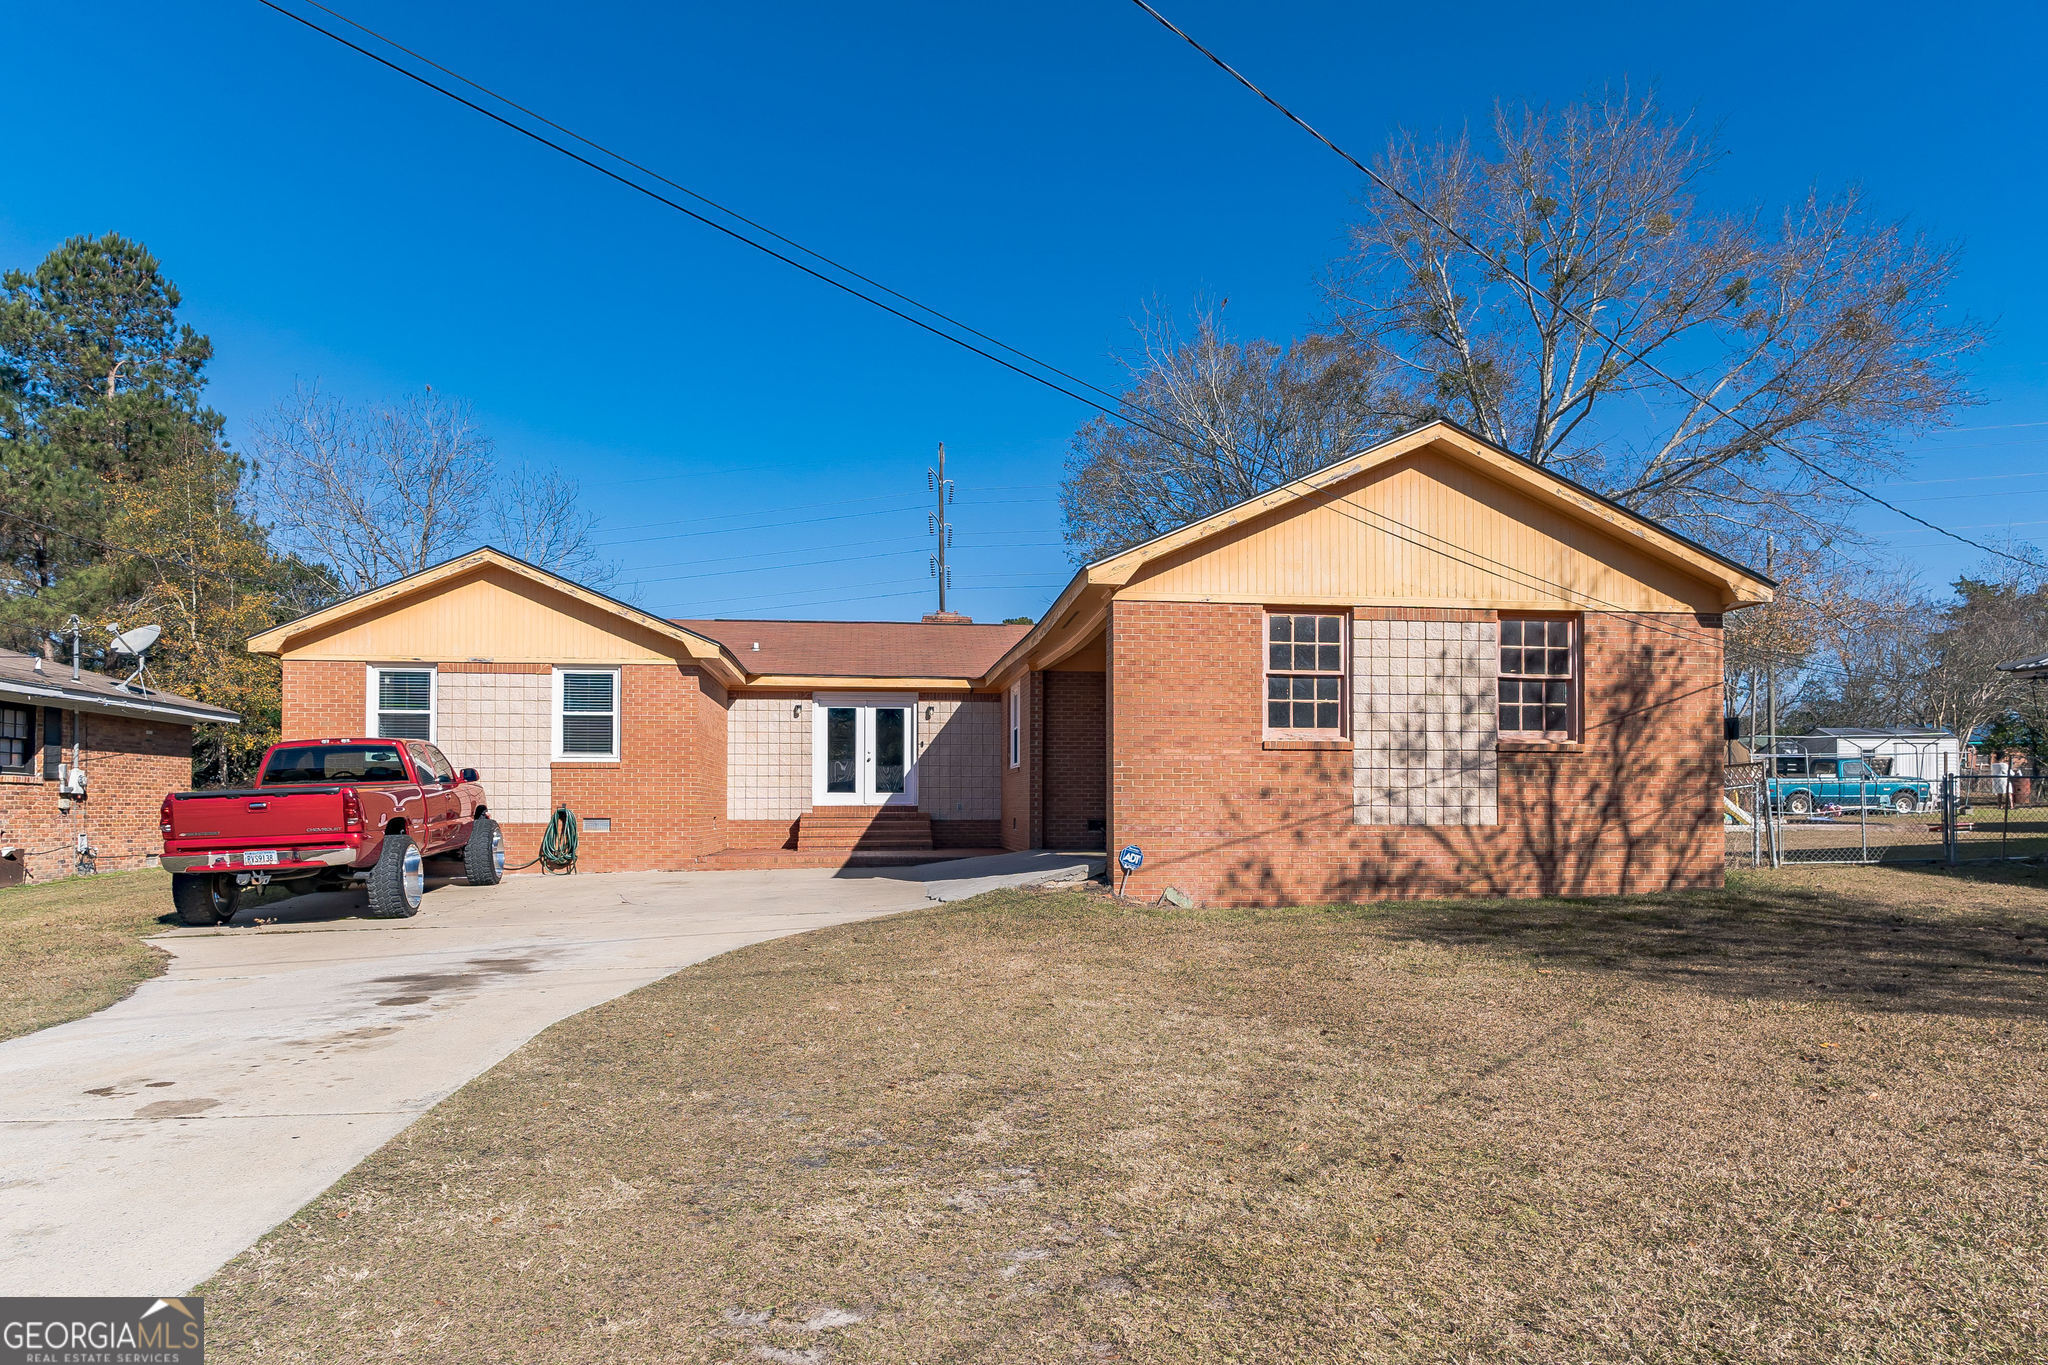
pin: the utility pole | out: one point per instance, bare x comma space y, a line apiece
936, 523
1770, 652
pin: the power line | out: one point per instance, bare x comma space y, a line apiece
1122, 413
1967, 478
1114, 413
734, 214
1635, 356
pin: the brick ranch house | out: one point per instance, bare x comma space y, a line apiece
1428, 669
132, 744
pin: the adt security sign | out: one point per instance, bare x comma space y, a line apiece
1131, 858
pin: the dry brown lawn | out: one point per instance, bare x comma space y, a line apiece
72, 947
1801, 1119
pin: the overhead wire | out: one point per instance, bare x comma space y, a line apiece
1123, 410
1115, 413
732, 213
1635, 356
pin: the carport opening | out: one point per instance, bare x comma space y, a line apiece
1076, 755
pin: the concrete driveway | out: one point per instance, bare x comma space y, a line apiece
142, 1148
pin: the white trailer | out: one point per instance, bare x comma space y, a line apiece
1899, 751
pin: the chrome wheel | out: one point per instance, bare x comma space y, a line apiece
414, 876
497, 851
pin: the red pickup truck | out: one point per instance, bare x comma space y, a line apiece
325, 814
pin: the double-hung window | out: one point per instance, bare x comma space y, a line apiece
1017, 723
1305, 656
402, 703
586, 714
17, 739
1539, 678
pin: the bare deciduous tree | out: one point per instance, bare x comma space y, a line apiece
1216, 421
1879, 650
539, 517
380, 492
1821, 327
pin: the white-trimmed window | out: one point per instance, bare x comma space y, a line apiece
1305, 671
1017, 723
586, 715
401, 702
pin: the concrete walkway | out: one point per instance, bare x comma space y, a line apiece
142, 1148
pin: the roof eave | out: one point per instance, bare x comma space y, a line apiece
700, 648
94, 702
1740, 585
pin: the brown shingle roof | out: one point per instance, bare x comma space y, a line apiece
54, 686
862, 649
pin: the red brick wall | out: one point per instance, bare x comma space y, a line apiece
750, 834
1023, 818
323, 698
129, 765
1076, 759
1231, 822
665, 796
967, 833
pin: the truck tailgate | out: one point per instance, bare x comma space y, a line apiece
255, 819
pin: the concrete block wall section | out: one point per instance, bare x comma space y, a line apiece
502, 725
768, 758
960, 758
1425, 727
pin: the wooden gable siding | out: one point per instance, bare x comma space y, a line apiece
490, 615
1424, 531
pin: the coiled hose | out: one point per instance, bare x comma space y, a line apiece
557, 844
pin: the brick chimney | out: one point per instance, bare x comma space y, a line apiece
947, 618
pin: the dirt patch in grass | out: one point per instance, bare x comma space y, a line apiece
1801, 1119
70, 948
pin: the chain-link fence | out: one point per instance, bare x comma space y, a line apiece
2000, 812
1775, 813
1744, 822
1855, 822
1797, 808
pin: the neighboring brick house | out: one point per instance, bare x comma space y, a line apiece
132, 745
1428, 669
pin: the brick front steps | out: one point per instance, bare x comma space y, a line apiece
864, 829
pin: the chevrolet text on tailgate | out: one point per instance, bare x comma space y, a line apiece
326, 814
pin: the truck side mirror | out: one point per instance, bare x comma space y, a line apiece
471, 775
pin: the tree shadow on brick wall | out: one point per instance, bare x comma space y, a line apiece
1765, 938
1635, 811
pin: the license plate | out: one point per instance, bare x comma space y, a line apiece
259, 859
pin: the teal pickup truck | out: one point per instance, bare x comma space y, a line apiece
1800, 784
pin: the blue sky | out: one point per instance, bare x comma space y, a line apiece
756, 443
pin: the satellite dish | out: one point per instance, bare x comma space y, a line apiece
135, 643
136, 640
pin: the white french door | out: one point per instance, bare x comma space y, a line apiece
864, 749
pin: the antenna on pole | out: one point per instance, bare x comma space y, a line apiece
939, 524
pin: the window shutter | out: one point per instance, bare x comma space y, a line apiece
53, 742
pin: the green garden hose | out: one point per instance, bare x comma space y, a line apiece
557, 844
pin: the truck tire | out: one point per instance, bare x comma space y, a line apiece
203, 898
1800, 803
483, 858
1904, 802
398, 880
